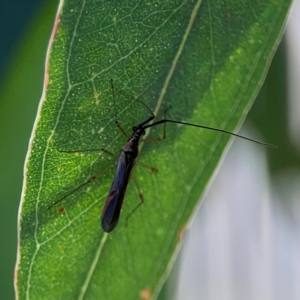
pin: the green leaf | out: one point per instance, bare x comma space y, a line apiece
207, 61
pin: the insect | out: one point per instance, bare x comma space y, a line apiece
127, 160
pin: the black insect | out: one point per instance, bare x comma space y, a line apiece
126, 162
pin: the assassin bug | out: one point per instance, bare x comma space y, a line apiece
127, 160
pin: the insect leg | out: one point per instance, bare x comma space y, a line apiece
121, 129
154, 170
91, 179
158, 139
141, 198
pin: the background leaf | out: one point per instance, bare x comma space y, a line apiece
205, 59
21, 88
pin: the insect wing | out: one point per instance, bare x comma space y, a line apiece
112, 209
114, 201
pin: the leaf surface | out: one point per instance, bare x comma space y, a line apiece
204, 59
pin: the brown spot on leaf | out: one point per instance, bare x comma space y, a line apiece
145, 294
61, 209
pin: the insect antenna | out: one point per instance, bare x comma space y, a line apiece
212, 129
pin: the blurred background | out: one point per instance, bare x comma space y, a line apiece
25, 30
244, 241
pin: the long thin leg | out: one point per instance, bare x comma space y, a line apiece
121, 129
154, 170
140, 195
91, 179
158, 139
138, 189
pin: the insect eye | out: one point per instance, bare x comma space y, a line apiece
134, 128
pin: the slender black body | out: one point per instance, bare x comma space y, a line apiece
126, 162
